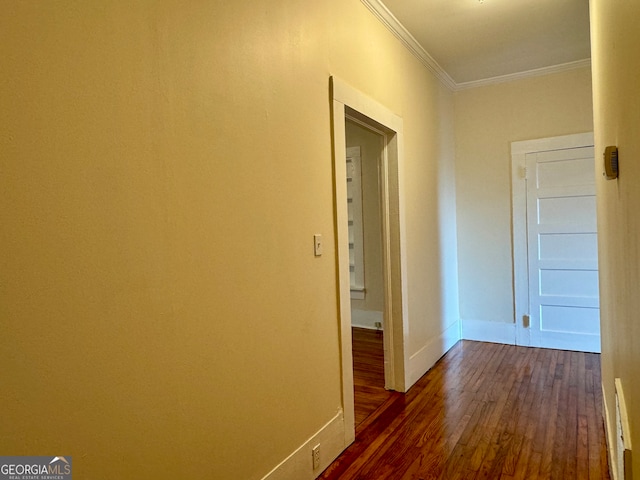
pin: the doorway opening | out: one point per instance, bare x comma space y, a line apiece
365, 150
350, 105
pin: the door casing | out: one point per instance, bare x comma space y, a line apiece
347, 100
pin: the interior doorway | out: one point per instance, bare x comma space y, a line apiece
350, 104
365, 149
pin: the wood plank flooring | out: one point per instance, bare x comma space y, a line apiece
368, 374
487, 411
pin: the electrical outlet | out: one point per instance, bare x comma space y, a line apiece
315, 453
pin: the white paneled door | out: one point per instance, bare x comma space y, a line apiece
562, 250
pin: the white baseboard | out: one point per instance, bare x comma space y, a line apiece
299, 465
485, 331
623, 465
428, 355
366, 319
610, 436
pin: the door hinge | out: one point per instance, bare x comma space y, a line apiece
525, 321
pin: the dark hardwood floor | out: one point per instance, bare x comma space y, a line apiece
486, 411
368, 374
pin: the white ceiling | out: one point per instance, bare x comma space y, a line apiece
474, 40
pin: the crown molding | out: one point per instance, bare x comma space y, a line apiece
393, 24
538, 72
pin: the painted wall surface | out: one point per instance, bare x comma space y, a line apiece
616, 68
370, 144
163, 168
487, 120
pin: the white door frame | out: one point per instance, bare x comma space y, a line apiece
519, 151
344, 97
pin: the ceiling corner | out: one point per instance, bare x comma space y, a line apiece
393, 24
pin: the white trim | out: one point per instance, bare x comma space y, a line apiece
519, 243
537, 72
610, 436
425, 358
344, 281
552, 143
623, 434
299, 464
396, 303
347, 95
519, 151
487, 331
387, 18
394, 380
358, 293
611, 433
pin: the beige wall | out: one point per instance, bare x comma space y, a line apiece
370, 144
164, 166
616, 70
487, 120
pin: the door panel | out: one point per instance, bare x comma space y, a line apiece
565, 173
555, 209
569, 247
562, 249
570, 319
